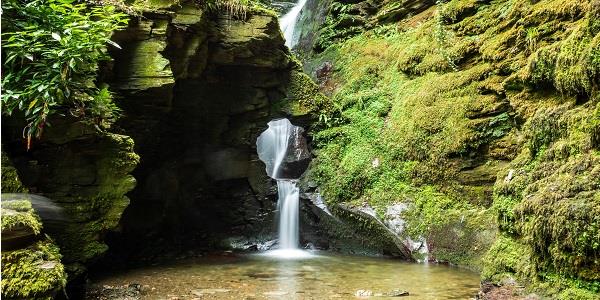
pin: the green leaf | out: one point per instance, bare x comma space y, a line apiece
39, 74
32, 103
114, 44
56, 36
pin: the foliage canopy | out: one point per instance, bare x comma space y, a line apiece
51, 50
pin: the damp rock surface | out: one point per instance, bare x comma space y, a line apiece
283, 149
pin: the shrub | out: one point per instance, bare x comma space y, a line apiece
51, 52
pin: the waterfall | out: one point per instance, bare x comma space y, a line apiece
289, 196
278, 146
288, 24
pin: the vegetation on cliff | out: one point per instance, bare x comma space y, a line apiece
476, 113
51, 50
51, 53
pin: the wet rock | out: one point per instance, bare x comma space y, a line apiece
398, 293
108, 292
372, 227
297, 156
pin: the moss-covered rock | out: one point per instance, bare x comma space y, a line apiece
479, 114
31, 262
19, 213
34, 272
10, 179
551, 200
86, 172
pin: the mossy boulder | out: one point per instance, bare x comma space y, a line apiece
10, 178
31, 262
20, 224
34, 272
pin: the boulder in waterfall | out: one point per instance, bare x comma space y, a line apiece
283, 149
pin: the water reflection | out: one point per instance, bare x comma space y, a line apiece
322, 277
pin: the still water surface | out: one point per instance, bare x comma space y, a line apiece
322, 276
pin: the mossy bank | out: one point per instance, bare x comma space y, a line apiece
482, 117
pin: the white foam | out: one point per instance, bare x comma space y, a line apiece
289, 254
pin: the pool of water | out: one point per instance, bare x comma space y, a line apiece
319, 276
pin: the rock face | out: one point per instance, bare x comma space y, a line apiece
324, 23
208, 88
311, 17
486, 122
85, 171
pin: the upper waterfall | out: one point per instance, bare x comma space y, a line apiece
288, 24
283, 149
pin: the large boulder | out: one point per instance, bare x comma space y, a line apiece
283, 149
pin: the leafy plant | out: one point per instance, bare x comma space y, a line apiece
51, 52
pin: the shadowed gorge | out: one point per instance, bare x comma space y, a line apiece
256, 149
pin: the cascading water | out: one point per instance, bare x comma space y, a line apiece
289, 196
288, 24
277, 146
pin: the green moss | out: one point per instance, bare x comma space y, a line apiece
10, 179
458, 9
34, 272
507, 259
574, 62
304, 96
392, 134
551, 203
424, 105
18, 213
542, 66
577, 294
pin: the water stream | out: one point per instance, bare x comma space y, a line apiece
288, 24
274, 145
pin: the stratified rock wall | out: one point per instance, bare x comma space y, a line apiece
209, 86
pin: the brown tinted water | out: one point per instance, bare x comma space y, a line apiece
324, 276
